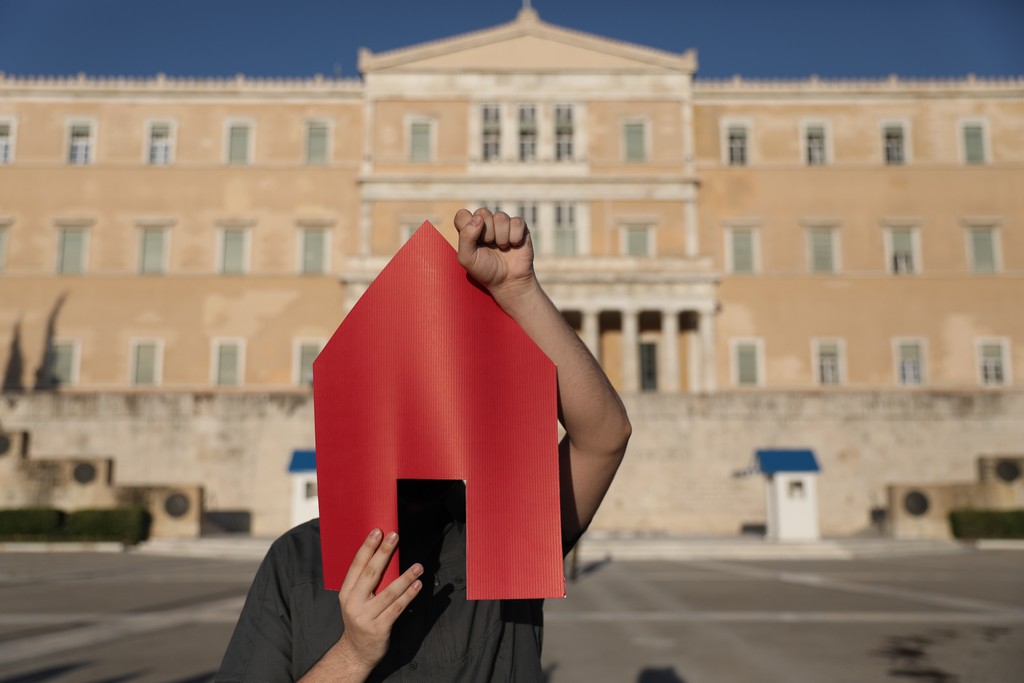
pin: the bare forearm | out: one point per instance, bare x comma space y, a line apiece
338, 665
595, 420
592, 413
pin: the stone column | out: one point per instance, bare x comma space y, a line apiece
668, 372
630, 352
592, 332
707, 350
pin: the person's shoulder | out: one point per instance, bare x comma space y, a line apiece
296, 553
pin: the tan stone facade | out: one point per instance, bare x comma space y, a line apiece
182, 235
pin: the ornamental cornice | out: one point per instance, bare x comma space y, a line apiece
890, 86
240, 86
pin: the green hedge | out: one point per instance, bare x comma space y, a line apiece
31, 522
124, 525
987, 523
127, 525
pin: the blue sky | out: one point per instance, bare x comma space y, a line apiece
763, 39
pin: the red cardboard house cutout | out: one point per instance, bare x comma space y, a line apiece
427, 378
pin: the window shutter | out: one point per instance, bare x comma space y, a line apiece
902, 242
974, 145
71, 250
145, 364
910, 352
63, 362
227, 364
316, 143
234, 252
313, 251
238, 150
420, 143
910, 363
5, 146
742, 251
152, 250
746, 364
307, 354
565, 229
634, 133
638, 241
983, 251
821, 251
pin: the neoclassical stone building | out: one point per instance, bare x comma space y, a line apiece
179, 235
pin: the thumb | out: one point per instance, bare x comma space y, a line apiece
470, 228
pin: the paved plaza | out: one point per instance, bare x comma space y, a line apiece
949, 617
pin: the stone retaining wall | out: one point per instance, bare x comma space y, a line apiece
677, 478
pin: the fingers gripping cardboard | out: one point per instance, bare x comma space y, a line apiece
427, 378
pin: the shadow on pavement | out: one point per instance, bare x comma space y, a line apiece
201, 678
666, 675
43, 674
591, 567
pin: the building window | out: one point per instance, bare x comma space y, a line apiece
316, 143
974, 143
80, 144
828, 362
814, 145
637, 240
239, 143
420, 140
742, 251
894, 144
145, 363
527, 132
6, 142
71, 251
563, 132
307, 353
152, 251
634, 139
902, 259
746, 364
227, 363
983, 250
736, 143
314, 251
648, 366
565, 229
491, 147
406, 230
310, 490
233, 248
992, 363
63, 364
160, 144
909, 363
821, 246
528, 212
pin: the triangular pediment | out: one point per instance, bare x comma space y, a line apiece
527, 44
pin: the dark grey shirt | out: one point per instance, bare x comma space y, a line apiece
289, 621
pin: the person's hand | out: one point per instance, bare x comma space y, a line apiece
496, 250
368, 617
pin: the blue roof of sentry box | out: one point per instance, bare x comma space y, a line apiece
772, 461
303, 461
